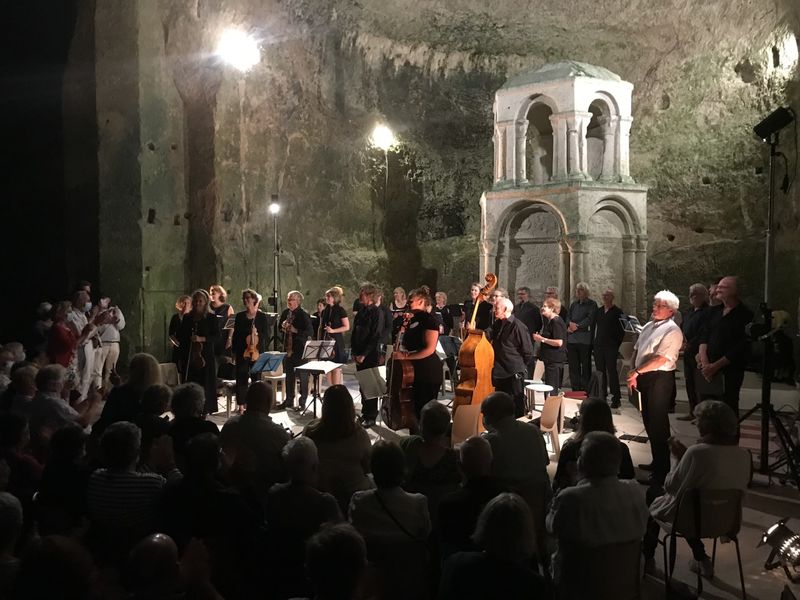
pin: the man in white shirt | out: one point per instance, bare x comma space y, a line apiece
655, 356
81, 304
108, 352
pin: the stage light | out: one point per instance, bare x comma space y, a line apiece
382, 137
238, 49
785, 546
274, 208
773, 123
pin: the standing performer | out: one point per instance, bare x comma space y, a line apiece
399, 304
527, 312
513, 350
553, 340
608, 335
250, 336
333, 324
365, 343
419, 342
222, 310
297, 329
442, 312
197, 335
183, 306
484, 318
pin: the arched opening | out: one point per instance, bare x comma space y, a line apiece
540, 144
531, 250
606, 262
596, 138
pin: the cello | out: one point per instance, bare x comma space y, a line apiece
397, 410
476, 358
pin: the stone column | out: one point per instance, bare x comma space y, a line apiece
564, 272
584, 118
538, 174
510, 137
573, 153
489, 248
499, 154
609, 148
578, 260
641, 277
559, 147
623, 149
520, 132
629, 300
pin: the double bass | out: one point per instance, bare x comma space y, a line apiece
476, 358
398, 406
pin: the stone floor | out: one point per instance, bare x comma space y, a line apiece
765, 502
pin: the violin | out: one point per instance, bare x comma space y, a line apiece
476, 358
251, 351
398, 406
288, 338
196, 359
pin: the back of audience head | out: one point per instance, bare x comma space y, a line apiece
51, 378
201, 456
387, 464
55, 567
595, 415
143, 371
10, 522
188, 400
152, 569
505, 529
301, 460
24, 380
336, 557
716, 422
338, 418
434, 420
601, 454
475, 457
260, 397
496, 407
17, 351
156, 399
120, 445
67, 444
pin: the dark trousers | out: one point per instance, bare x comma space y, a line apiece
369, 406
514, 387
532, 367
650, 541
655, 388
423, 393
553, 372
689, 374
605, 358
243, 379
290, 363
579, 357
733, 385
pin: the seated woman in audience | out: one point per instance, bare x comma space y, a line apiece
124, 401
505, 535
187, 406
343, 447
25, 470
431, 464
151, 420
595, 415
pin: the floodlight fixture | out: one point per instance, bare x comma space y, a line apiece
274, 208
382, 137
239, 49
773, 123
785, 545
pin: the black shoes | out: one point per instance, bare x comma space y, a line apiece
366, 422
646, 467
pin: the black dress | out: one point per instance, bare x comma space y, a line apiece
242, 327
445, 318
333, 315
221, 312
483, 318
427, 371
174, 324
206, 376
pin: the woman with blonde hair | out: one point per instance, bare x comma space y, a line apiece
222, 309
183, 305
197, 335
124, 402
333, 324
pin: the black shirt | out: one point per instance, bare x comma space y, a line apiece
385, 321
243, 326
428, 369
608, 328
366, 331
529, 314
445, 317
554, 329
569, 456
693, 323
485, 316
513, 347
301, 321
725, 335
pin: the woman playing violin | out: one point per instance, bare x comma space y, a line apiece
197, 334
334, 322
250, 336
419, 346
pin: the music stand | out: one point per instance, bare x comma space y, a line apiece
267, 361
318, 351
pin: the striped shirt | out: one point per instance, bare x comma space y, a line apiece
124, 499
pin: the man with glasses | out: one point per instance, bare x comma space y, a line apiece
655, 356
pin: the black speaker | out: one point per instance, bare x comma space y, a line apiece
774, 122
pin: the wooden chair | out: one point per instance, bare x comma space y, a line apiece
585, 572
466, 423
703, 514
549, 420
277, 379
169, 374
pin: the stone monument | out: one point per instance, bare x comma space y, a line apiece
563, 207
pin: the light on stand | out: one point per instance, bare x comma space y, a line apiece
382, 137
785, 547
239, 49
274, 209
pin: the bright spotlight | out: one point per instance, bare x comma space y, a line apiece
382, 137
274, 208
238, 49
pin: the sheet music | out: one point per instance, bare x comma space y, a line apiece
323, 366
372, 382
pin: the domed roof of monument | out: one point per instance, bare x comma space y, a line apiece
567, 69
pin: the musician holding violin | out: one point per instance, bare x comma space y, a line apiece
295, 325
197, 334
250, 336
419, 337
333, 323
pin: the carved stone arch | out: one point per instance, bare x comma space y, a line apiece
532, 247
601, 135
625, 211
536, 111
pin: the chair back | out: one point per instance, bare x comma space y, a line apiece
169, 374
584, 572
466, 423
626, 350
538, 370
709, 513
552, 405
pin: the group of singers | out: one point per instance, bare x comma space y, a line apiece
206, 333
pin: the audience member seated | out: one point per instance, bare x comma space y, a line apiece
25, 470
56, 566
198, 506
431, 464
155, 402
600, 510
715, 462
501, 569
252, 443
10, 530
459, 511
124, 401
519, 456
595, 415
122, 502
336, 558
343, 447
61, 501
23, 386
188, 401
295, 512
395, 525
